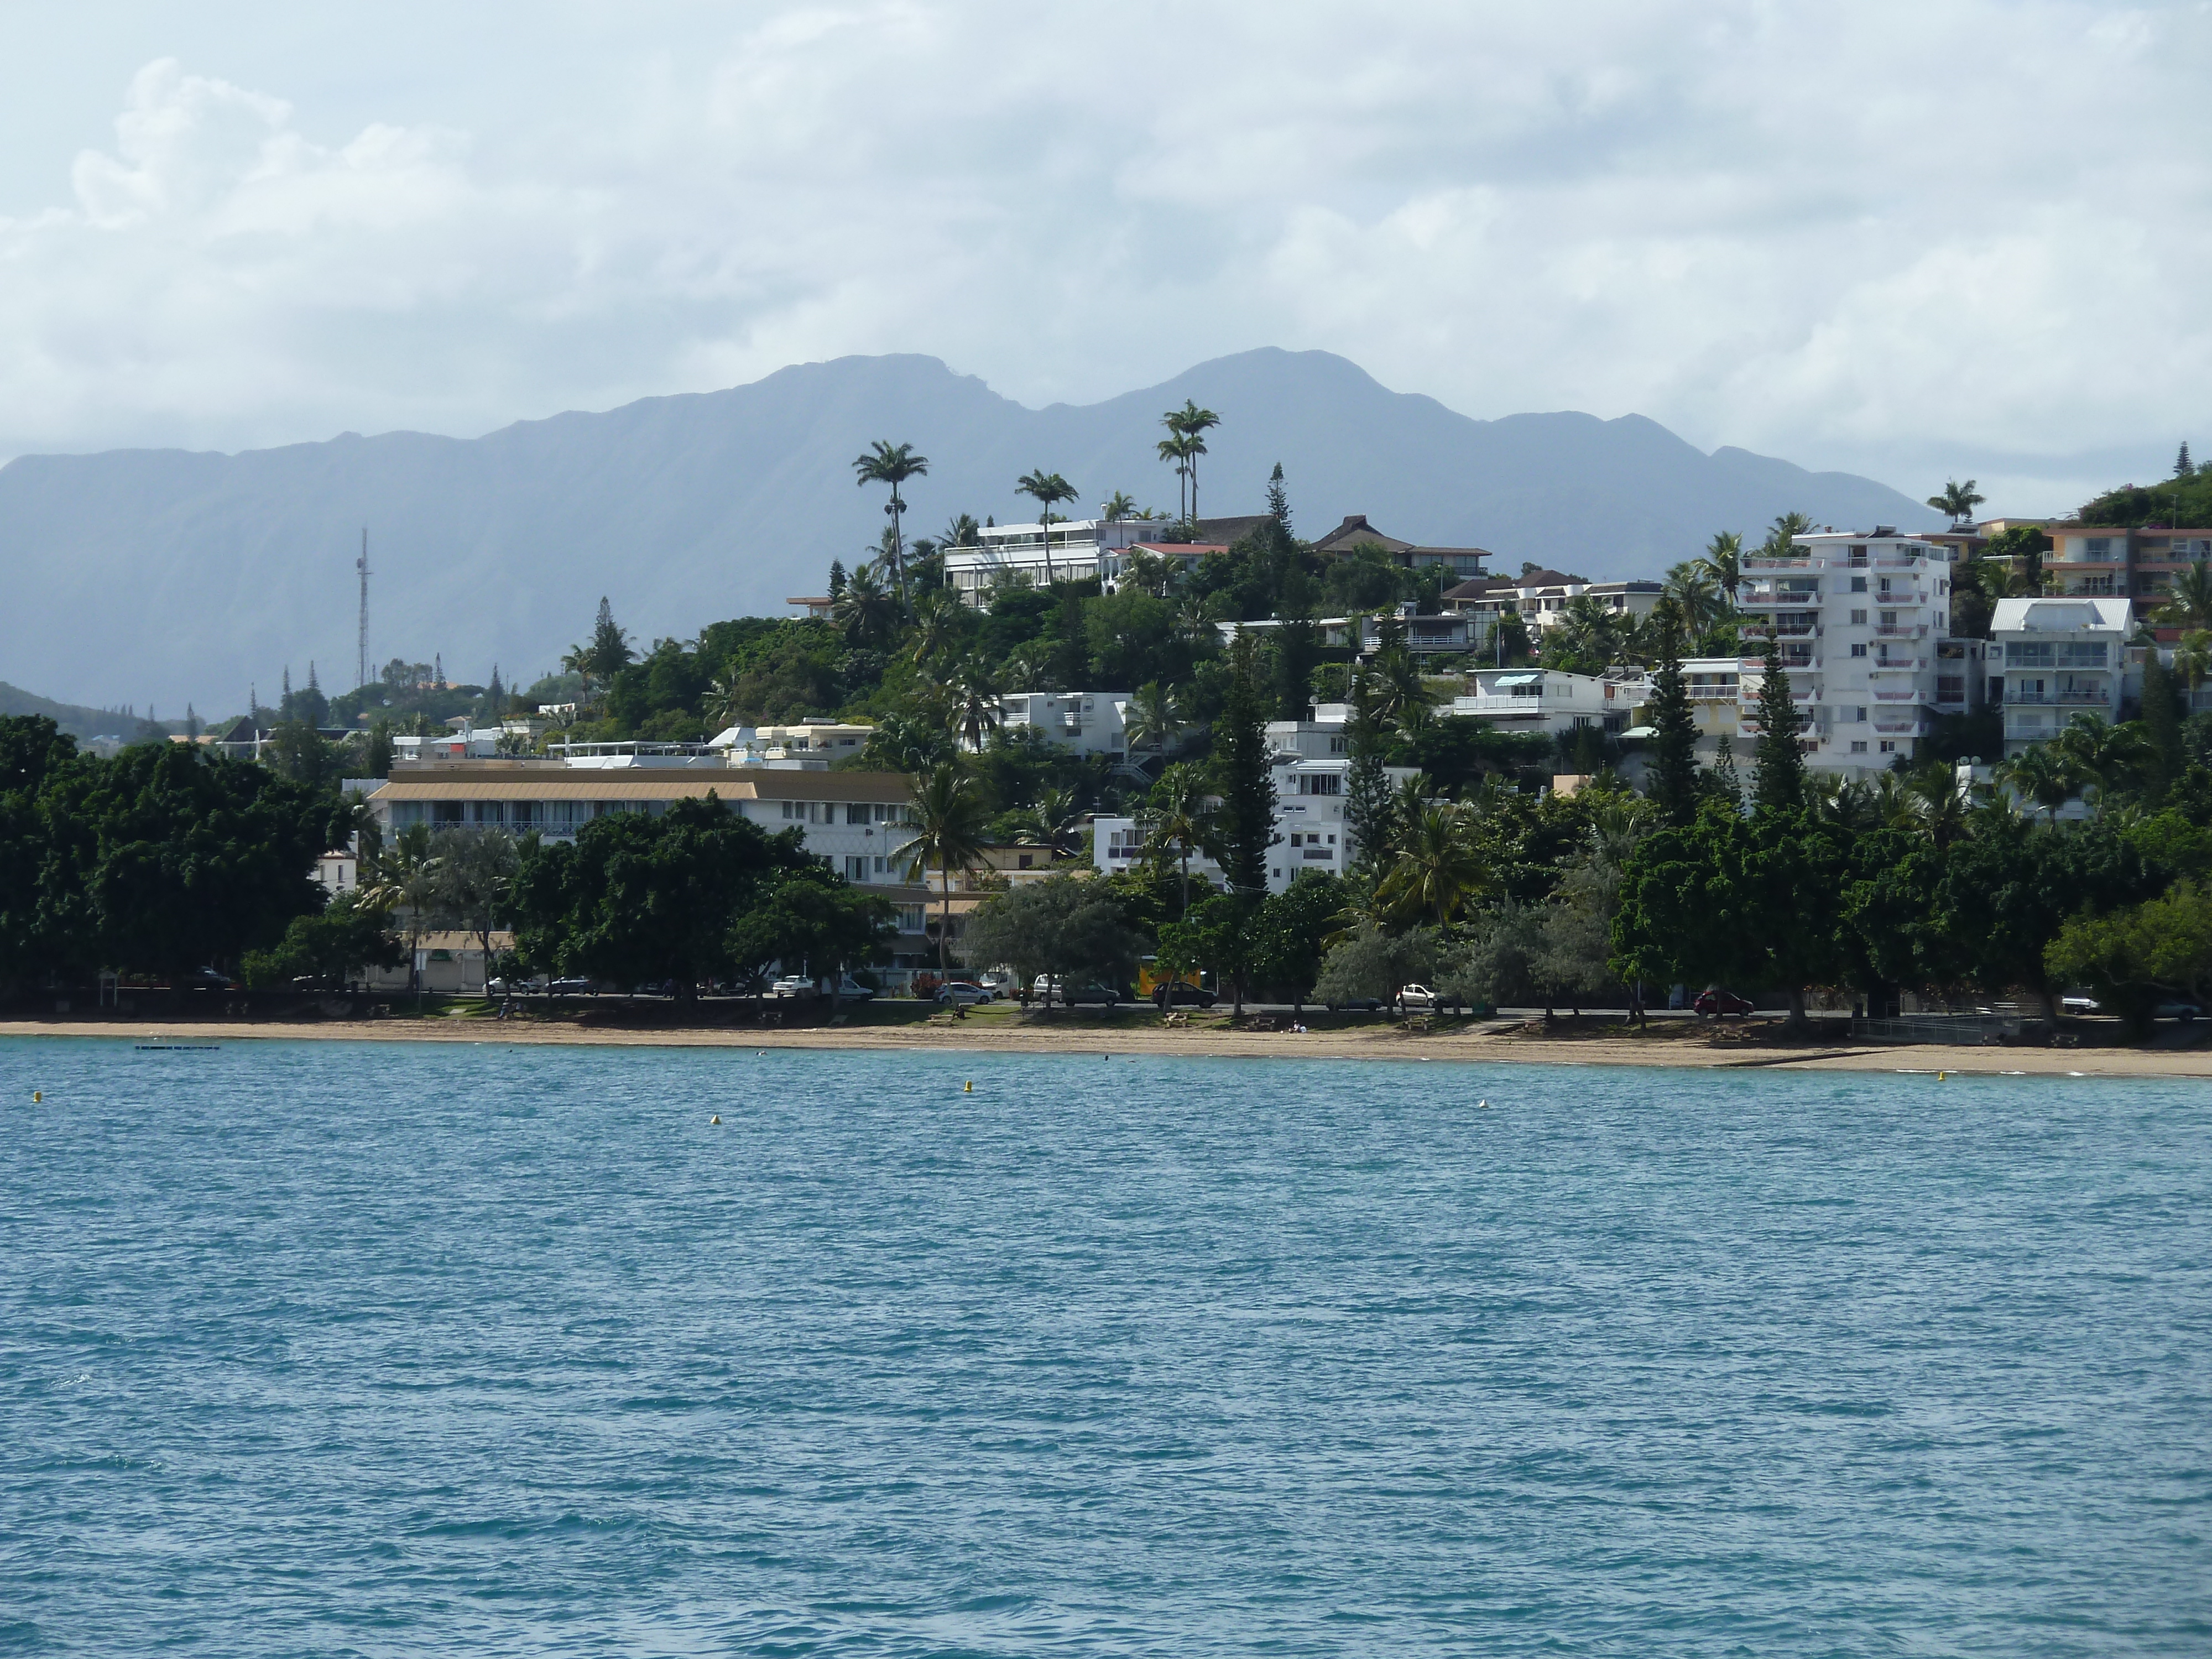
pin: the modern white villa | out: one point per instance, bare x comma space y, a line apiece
2059, 657
1036, 555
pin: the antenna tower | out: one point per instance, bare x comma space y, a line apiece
361, 648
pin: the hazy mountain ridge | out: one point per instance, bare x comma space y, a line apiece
158, 576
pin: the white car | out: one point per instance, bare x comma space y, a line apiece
792, 988
960, 992
1411, 997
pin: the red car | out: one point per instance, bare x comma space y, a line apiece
1717, 1003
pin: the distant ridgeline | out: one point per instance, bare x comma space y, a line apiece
79, 721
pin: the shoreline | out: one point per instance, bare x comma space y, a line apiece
1385, 1044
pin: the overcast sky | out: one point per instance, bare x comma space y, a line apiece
1908, 239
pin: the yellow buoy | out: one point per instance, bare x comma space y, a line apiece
1943, 1077
970, 1089
36, 1097
714, 1119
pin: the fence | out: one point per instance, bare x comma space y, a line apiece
1962, 1031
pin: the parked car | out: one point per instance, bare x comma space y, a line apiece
573, 988
2183, 1011
1717, 1003
503, 986
1182, 993
1370, 1004
851, 990
207, 979
1412, 997
2080, 1005
1097, 991
792, 988
961, 993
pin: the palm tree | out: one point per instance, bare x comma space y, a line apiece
407, 879
2108, 757
2041, 775
1190, 424
892, 463
724, 707
1059, 821
937, 625
1694, 586
1119, 506
1176, 816
1048, 488
1781, 537
2192, 604
1178, 450
864, 611
976, 694
948, 832
1438, 866
1724, 560
1958, 501
1929, 800
2192, 658
1154, 720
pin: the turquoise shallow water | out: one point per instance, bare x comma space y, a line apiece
397, 1350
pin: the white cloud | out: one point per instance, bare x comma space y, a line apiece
1901, 238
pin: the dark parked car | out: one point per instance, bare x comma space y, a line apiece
1368, 1004
1182, 993
1717, 1003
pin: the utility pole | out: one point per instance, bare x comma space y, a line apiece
361, 649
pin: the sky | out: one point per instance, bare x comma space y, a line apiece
1947, 238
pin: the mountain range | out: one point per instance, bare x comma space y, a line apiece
154, 576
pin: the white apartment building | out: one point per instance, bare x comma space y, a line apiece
1079, 550
1313, 771
1550, 703
806, 745
1088, 722
1541, 599
2057, 658
1863, 622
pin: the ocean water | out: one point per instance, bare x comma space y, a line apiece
405, 1350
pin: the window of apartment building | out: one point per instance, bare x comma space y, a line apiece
1338, 744
1887, 747
911, 918
1859, 649
1950, 688
1889, 619
856, 867
2028, 653
1855, 714
2082, 653
1858, 585
856, 812
1881, 586
1858, 618
1321, 783
1858, 550
1859, 747
2097, 547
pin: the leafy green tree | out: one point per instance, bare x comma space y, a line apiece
636, 899
2166, 754
1371, 963
2135, 958
1494, 960
948, 833
331, 948
1243, 774
165, 859
887, 462
35, 755
473, 871
1781, 775
1218, 937
1067, 927
1288, 930
809, 915
2113, 759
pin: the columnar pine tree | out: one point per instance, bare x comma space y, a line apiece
1279, 498
1368, 801
2182, 466
1780, 782
1242, 776
1674, 741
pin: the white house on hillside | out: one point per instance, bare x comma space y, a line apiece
2060, 657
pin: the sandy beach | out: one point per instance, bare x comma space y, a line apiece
1496, 1045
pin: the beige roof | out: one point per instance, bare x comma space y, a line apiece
526, 782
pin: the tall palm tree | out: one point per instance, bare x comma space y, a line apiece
1178, 449
1782, 536
1191, 423
948, 832
976, 694
407, 879
2041, 775
1048, 489
937, 621
1059, 821
1930, 801
2192, 604
960, 530
1957, 500
1154, 720
2109, 757
2192, 658
1724, 560
1694, 586
724, 707
892, 463
1176, 816
863, 612
1438, 866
